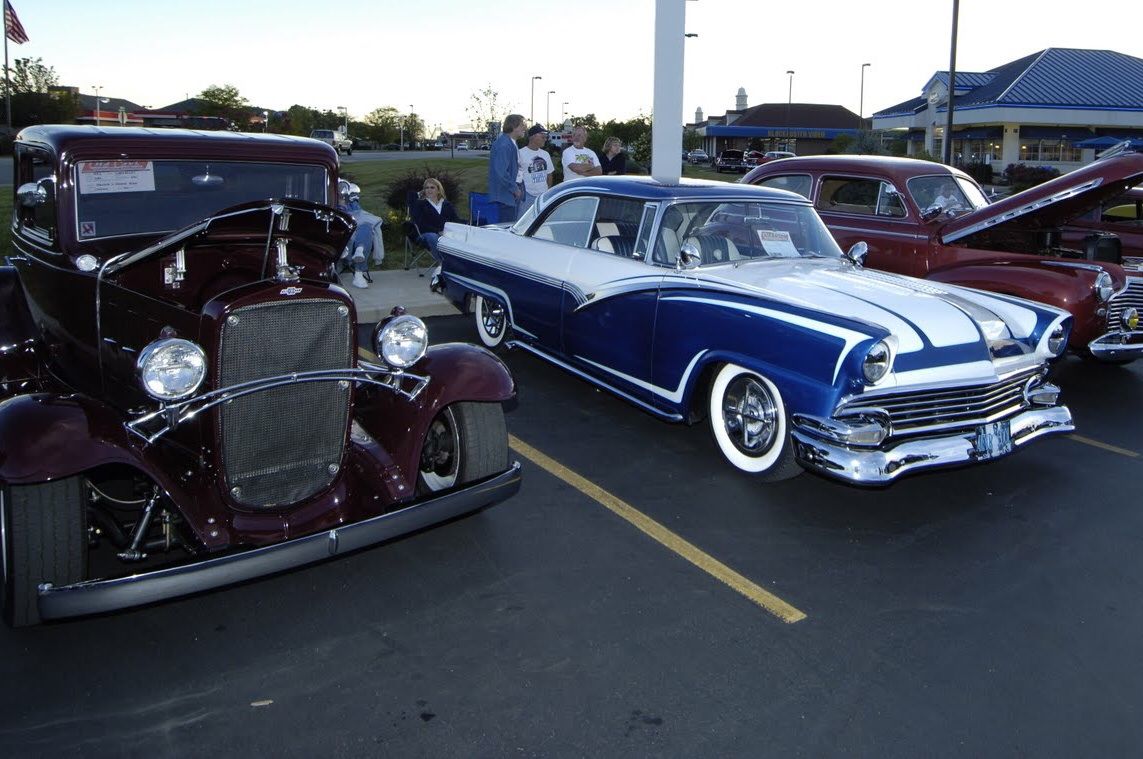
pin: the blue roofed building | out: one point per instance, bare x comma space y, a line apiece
1058, 107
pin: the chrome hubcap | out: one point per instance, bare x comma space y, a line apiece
492, 316
750, 416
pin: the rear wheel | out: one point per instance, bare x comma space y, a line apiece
750, 425
44, 540
491, 321
466, 442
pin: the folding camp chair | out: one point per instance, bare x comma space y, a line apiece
414, 248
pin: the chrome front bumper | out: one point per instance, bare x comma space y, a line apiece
879, 466
1117, 345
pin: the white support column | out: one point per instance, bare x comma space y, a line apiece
667, 119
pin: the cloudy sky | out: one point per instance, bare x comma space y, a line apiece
596, 54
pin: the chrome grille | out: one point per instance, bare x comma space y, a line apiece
1131, 297
922, 411
284, 444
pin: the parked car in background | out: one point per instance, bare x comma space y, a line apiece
184, 400
698, 156
757, 157
335, 139
731, 160
708, 300
929, 220
462, 146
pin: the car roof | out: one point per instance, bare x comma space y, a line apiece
64, 138
648, 188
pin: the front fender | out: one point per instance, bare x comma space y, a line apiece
44, 436
458, 372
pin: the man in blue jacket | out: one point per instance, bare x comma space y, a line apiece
503, 166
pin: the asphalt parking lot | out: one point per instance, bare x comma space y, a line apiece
638, 597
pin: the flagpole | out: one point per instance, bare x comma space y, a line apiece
7, 86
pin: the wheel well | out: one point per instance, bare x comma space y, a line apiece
697, 412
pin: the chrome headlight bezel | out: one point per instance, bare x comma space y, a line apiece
401, 341
1104, 287
1130, 319
1057, 341
877, 362
171, 369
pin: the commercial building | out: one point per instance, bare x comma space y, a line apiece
803, 128
1057, 107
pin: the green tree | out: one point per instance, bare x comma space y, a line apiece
486, 112
33, 101
383, 125
225, 101
31, 75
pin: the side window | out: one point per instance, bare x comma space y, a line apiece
857, 195
616, 226
889, 202
37, 210
570, 223
645, 225
799, 183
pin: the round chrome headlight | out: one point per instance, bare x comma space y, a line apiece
1103, 287
876, 363
1058, 340
171, 369
402, 340
1130, 319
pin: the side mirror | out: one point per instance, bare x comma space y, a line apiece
689, 257
857, 253
35, 194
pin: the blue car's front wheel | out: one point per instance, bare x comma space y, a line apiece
750, 424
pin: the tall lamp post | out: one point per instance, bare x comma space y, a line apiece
789, 103
97, 87
861, 100
265, 121
548, 109
563, 113
532, 114
345, 114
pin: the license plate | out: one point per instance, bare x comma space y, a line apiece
992, 440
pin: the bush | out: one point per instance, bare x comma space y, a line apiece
1021, 177
981, 172
413, 180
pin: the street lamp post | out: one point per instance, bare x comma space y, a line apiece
532, 114
345, 114
548, 109
412, 125
97, 90
861, 101
789, 104
265, 121
563, 113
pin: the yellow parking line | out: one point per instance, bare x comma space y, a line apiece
656, 531
1104, 446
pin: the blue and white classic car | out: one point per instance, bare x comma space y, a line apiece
734, 303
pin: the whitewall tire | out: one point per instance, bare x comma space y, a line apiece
750, 425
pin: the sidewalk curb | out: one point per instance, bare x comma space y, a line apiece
397, 287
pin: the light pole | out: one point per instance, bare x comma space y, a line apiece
563, 112
548, 109
861, 101
532, 114
345, 114
265, 121
412, 125
789, 103
97, 89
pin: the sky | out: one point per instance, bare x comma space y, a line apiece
597, 55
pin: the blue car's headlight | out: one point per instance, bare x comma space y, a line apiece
1057, 340
877, 362
171, 369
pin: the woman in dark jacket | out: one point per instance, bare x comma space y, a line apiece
430, 213
613, 160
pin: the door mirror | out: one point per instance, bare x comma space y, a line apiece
856, 254
689, 256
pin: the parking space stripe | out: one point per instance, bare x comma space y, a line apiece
661, 534
1104, 446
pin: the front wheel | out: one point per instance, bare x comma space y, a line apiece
44, 540
466, 442
749, 423
491, 321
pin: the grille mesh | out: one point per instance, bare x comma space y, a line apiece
278, 445
924, 411
1131, 297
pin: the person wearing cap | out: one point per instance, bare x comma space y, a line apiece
536, 167
579, 160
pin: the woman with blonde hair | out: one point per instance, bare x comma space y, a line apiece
613, 160
430, 213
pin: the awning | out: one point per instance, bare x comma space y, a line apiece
1067, 134
979, 133
1097, 142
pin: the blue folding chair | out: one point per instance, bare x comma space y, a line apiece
481, 210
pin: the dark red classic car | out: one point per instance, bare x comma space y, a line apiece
1122, 216
932, 221
184, 401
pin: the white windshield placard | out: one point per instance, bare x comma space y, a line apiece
777, 243
116, 176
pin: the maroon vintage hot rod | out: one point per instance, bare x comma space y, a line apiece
185, 404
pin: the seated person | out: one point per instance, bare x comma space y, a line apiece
430, 213
366, 242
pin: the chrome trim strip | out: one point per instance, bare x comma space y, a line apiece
58, 602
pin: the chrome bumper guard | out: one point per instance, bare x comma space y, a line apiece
120, 593
879, 466
1116, 345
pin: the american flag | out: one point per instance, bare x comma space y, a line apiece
12, 26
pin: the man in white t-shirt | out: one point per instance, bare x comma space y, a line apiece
578, 159
536, 167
